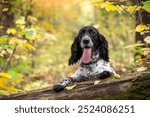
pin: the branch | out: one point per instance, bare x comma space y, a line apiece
10, 58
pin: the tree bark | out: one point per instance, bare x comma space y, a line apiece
142, 17
131, 86
6, 15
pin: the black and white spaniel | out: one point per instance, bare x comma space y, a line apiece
92, 48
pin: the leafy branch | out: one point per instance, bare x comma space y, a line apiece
10, 58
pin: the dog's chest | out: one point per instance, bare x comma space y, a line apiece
89, 71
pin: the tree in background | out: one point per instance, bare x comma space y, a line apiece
139, 11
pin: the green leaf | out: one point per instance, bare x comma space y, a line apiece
30, 33
4, 92
3, 39
146, 5
13, 72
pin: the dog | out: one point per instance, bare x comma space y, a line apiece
91, 48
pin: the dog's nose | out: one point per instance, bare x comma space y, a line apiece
86, 41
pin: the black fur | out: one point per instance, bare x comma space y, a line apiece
58, 88
105, 74
103, 48
99, 43
76, 51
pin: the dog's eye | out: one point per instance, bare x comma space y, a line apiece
81, 33
92, 32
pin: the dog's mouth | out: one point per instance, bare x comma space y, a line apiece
86, 55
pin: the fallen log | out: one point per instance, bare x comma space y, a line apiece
131, 86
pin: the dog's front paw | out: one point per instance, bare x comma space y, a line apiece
58, 88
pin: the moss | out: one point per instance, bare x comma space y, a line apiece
139, 90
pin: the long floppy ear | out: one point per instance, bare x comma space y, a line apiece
76, 51
103, 48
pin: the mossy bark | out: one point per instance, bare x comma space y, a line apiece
139, 90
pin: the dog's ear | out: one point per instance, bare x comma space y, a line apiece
103, 47
76, 51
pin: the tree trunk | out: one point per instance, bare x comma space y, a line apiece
131, 86
6, 15
142, 17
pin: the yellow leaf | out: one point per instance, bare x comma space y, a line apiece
107, 5
97, 82
20, 21
11, 31
141, 69
133, 8
110, 8
28, 46
139, 60
147, 39
5, 75
141, 27
70, 87
133, 45
3, 85
117, 76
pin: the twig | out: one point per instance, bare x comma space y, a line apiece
8, 63
131, 15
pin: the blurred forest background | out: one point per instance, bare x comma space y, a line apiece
36, 35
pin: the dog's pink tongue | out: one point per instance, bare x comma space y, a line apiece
86, 56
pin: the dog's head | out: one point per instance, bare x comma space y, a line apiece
88, 41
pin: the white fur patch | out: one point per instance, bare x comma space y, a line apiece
92, 70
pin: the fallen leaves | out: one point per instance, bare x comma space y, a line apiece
141, 69
4, 78
116, 76
70, 87
97, 82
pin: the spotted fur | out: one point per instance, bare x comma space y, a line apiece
99, 66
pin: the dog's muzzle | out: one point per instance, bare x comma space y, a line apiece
86, 42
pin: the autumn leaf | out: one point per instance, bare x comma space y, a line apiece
21, 21
32, 19
70, 87
133, 8
5, 75
11, 31
141, 27
147, 39
28, 46
97, 82
141, 69
3, 39
133, 45
116, 76
3, 85
107, 5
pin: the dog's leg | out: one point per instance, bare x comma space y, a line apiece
108, 71
76, 77
62, 84
105, 74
